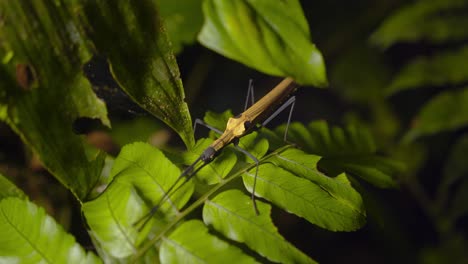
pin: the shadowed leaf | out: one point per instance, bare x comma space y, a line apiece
446, 68
447, 111
436, 21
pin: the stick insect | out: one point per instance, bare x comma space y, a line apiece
254, 117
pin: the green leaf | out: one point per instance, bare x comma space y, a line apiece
351, 150
442, 69
447, 111
436, 21
218, 120
256, 145
307, 199
45, 91
183, 20
9, 189
269, 36
130, 34
31, 236
141, 176
231, 213
338, 188
192, 243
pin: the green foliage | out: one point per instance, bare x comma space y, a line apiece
445, 68
314, 183
135, 184
272, 37
231, 214
183, 20
199, 247
444, 112
140, 177
434, 21
9, 189
441, 26
351, 150
308, 199
31, 236
132, 37
53, 55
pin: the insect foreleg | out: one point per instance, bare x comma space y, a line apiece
200, 122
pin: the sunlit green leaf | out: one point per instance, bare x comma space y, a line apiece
256, 145
31, 236
217, 120
445, 112
435, 21
183, 20
192, 243
44, 90
307, 199
270, 36
442, 69
131, 36
8, 189
232, 214
141, 176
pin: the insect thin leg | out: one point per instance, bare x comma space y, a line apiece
200, 122
250, 93
293, 102
190, 173
155, 208
172, 189
257, 162
290, 102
